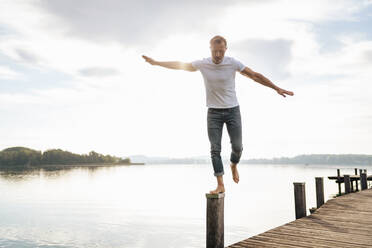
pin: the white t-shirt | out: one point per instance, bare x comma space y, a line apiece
219, 81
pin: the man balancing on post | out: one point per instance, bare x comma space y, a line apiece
219, 78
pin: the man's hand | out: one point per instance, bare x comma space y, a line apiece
176, 65
149, 60
283, 92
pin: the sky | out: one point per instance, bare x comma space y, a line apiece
72, 76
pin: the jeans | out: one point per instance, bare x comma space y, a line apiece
216, 118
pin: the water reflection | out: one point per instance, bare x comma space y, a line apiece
146, 206
20, 174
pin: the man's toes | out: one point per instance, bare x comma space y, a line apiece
216, 191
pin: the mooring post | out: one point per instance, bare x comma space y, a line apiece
339, 181
215, 220
365, 171
363, 181
356, 180
360, 178
319, 188
300, 199
347, 183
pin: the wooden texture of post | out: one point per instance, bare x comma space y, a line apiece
319, 188
360, 178
356, 180
300, 200
363, 181
347, 184
339, 181
215, 220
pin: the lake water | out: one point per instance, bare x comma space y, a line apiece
148, 206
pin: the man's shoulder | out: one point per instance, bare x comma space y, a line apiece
204, 59
207, 59
229, 58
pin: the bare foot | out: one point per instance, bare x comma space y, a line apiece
235, 173
219, 189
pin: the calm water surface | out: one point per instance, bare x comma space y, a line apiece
147, 206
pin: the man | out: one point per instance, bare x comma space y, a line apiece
219, 78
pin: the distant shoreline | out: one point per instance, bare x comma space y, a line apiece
19, 158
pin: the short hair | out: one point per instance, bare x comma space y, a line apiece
217, 40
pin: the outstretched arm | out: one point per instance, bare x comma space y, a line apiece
177, 65
264, 81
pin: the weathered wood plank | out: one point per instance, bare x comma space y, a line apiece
345, 221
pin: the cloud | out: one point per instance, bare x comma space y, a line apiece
98, 72
88, 65
368, 56
272, 56
135, 23
7, 73
27, 56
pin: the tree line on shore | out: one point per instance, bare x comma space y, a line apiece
23, 156
332, 159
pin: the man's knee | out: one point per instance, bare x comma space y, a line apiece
236, 153
215, 148
215, 153
237, 148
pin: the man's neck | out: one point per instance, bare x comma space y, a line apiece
214, 61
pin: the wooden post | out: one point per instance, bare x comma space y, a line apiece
365, 171
300, 200
363, 181
319, 188
215, 220
339, 181
347, 183
356, 181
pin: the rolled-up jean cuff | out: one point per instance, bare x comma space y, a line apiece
235, 161
219, 173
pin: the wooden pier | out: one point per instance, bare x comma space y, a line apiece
344, 221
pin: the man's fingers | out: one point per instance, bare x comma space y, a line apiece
283, 92
288, 92
146, 58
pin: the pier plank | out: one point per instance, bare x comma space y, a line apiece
344, 221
